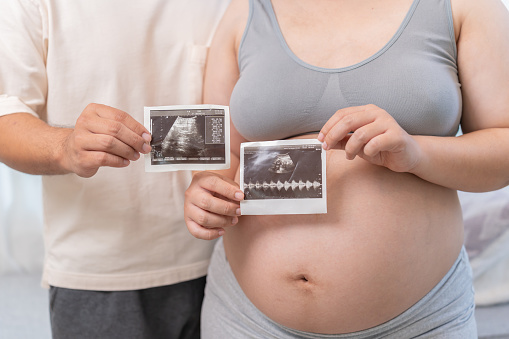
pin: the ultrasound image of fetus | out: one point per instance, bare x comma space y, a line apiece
283, 163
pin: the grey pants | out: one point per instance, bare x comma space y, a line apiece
165, 312
447, 311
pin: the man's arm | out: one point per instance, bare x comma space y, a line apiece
102, 136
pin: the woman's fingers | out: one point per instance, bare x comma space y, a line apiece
203, 233
344, 122
372, 134
211, 204
358, 140
208, 219
222, 186
340, 114
206, 201
383, 142
395, 150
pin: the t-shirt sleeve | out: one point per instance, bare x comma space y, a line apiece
23, 49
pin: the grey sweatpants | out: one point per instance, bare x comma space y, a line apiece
447, 311
171, 312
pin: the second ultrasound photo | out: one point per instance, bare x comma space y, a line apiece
283, 177
283, 172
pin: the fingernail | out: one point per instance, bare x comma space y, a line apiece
324, 145
221, 232
239, 195
237, 211
235, 220
146, 148
126, 162
320, 136
146, 136
136, 155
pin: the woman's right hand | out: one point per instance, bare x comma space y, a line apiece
211, 204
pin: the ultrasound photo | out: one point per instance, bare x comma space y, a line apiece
282, 170
192, 137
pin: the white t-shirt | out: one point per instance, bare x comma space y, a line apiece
122, 229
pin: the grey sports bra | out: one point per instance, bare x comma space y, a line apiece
413, 77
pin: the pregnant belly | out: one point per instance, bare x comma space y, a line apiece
386, 240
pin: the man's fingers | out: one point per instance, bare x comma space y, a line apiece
112, 113
119, 131
88, 163
118, 124
109, 144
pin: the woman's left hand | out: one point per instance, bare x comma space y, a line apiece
372, 134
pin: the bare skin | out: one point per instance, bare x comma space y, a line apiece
394, 224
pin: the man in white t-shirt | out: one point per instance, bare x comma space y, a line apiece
74, 77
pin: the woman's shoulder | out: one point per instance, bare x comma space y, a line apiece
468, 13
234, 21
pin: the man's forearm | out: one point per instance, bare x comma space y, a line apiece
31, 146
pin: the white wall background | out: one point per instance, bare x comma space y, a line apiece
21, 243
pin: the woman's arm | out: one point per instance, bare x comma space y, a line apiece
222, 70
212, 199
478, 160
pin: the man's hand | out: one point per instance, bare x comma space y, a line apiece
103, 136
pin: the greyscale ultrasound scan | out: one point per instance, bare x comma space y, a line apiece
188, 137
283, 170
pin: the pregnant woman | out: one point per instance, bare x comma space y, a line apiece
384, 85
